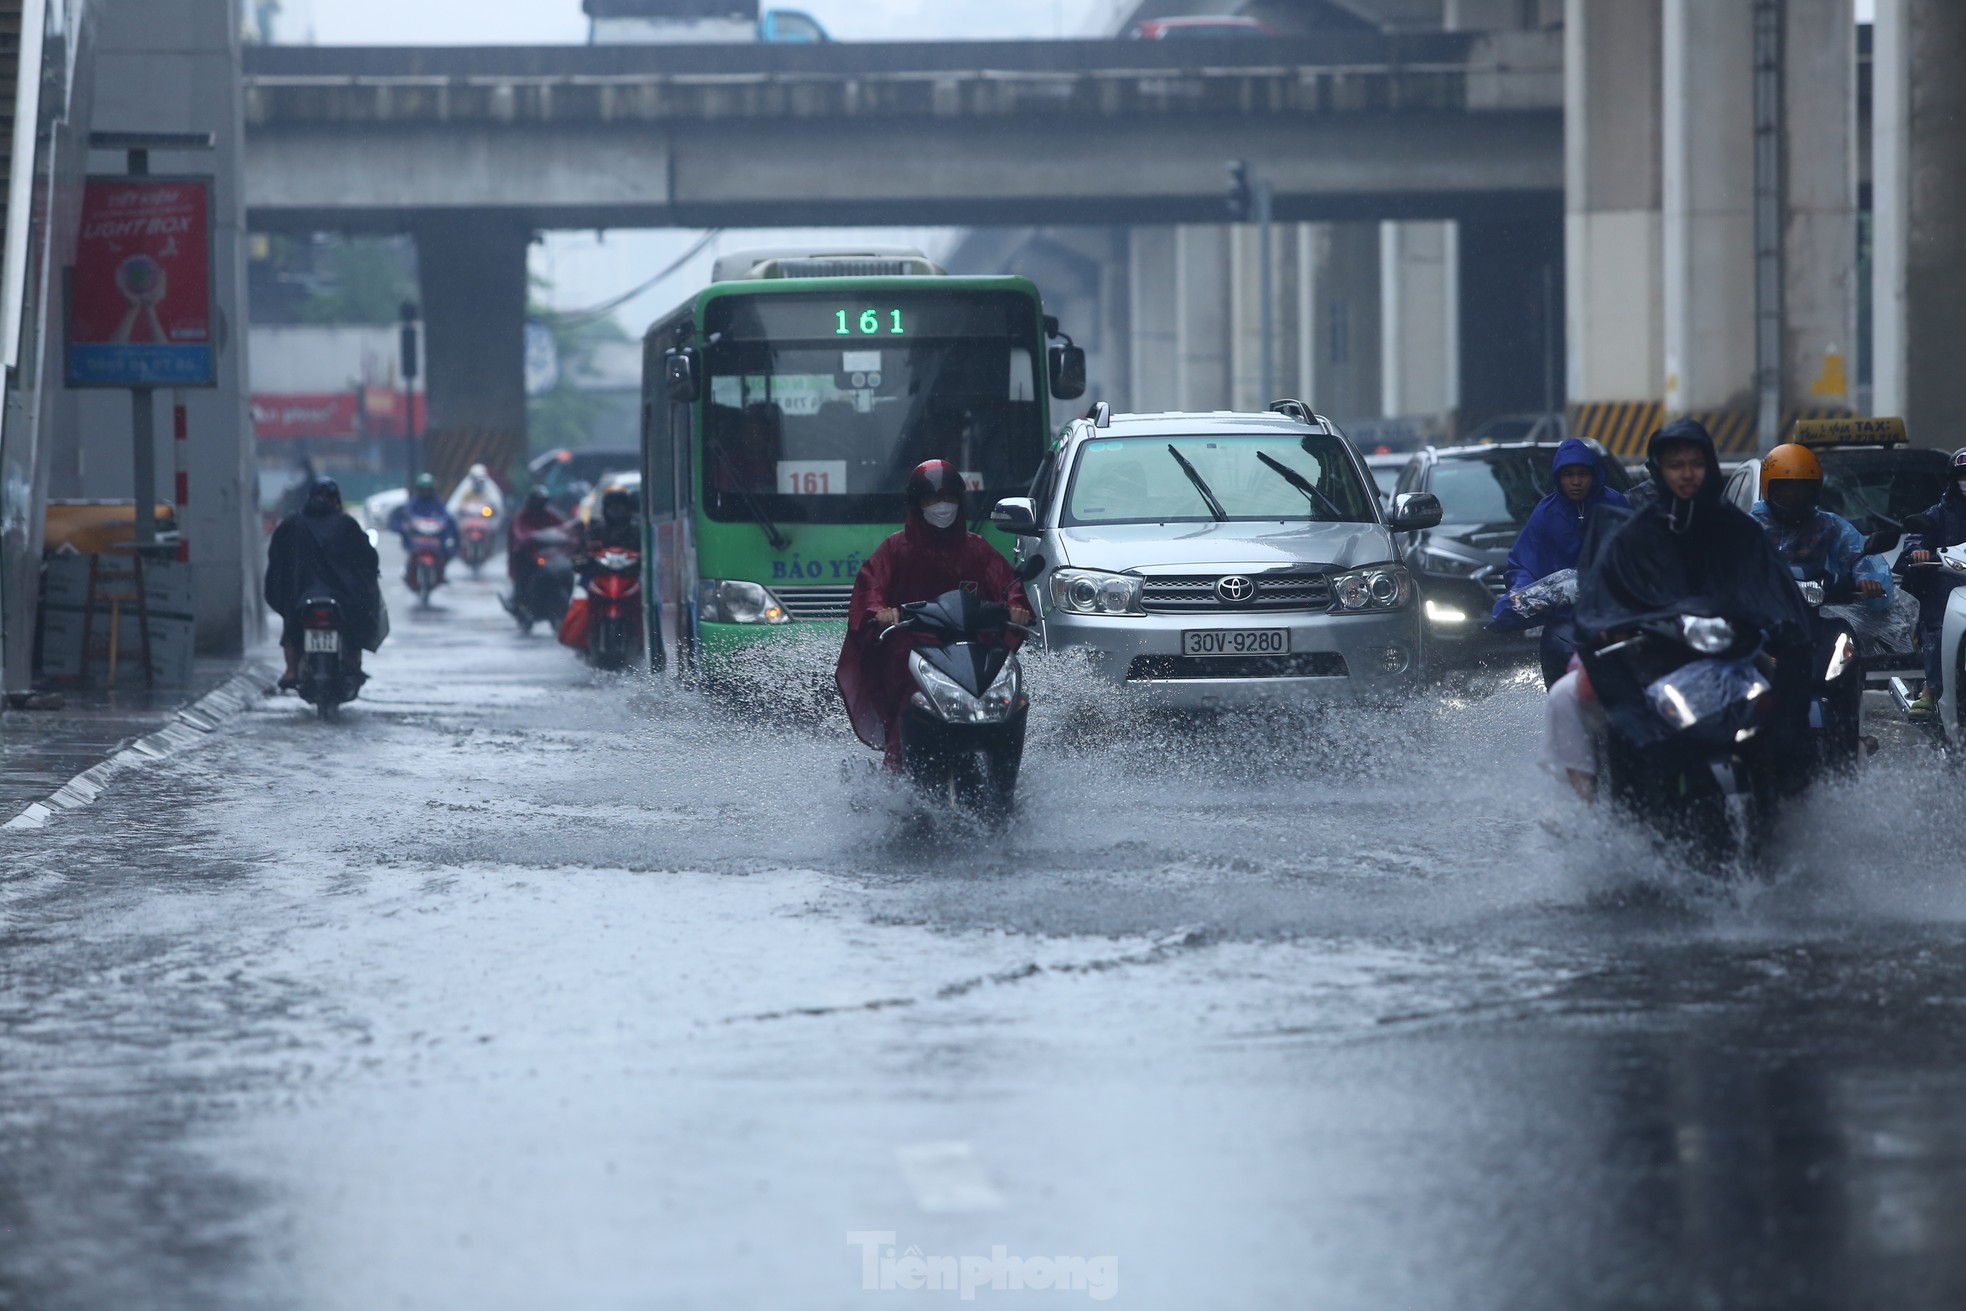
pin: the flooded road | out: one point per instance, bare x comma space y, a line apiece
524, 986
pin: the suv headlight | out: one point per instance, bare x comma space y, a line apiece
1454, 566
1095, 592
1381, 587
948, 699
733, 601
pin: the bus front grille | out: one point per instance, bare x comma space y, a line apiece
815, 602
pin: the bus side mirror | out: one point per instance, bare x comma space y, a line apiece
1067, 372
680, 372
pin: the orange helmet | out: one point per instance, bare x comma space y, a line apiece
1791, 482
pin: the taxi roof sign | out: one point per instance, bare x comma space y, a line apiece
1849, 432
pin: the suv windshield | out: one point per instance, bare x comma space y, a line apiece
1862, 485
816, 431
1136, 480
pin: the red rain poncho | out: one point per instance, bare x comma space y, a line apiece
919, 563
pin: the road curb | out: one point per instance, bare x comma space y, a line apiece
194, 724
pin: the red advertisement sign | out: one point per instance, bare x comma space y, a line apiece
285, 417
140, 294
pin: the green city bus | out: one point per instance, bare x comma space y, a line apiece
782, 411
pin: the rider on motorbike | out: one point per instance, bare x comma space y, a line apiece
424, 503
932, 554
1933, 587
320, 549
615, 527
1687, 551
536, 515
1550, 541
1816, 541
477, 491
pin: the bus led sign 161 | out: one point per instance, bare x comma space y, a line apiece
870, 323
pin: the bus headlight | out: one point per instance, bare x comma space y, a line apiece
734, 601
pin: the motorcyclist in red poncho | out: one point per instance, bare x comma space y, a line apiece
933, 553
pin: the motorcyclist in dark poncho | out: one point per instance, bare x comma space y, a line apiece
1688, 552
321, 551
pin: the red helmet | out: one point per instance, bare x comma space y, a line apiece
933, 478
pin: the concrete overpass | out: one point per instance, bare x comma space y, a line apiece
475, 150
962, 133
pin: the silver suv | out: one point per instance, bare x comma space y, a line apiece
1217, 557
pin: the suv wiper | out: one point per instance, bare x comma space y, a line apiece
774, 535
1322, 502
1207, 493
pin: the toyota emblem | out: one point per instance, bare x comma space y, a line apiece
1234, 589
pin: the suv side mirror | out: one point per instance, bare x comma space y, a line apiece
1028, 568
1067, 372
1413, 512
681, 369
1017, 515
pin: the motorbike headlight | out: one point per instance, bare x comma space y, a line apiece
733, 601
1379, 588
1440, 562
1812, 593
1707, 636
941, 693
1095, 592
1841, 658
1003, 697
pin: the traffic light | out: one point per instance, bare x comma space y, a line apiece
1242, 193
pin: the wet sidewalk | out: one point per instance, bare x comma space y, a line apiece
42, 751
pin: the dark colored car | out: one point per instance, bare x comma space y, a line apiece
1486, 494
1173, 29
568, 475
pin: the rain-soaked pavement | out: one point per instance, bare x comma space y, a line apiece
525, 987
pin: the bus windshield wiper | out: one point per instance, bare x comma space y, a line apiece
1207, 493
1319, 500
774, 535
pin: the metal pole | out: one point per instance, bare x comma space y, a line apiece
1768, 219
1549, 340
181, 444
143, 433
143, 421
1268, 293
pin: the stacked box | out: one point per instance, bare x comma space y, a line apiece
173, 631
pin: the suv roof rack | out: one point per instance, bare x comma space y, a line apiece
1294, 409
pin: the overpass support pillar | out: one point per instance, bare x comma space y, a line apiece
473, 271
1614, 311
1338, 319
1419, 321
1707, 117
1511, 325
1155, 338
1819, 230
1202, 316
1919, 216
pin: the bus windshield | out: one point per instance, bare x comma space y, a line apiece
813, 418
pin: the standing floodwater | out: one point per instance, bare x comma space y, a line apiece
524, 986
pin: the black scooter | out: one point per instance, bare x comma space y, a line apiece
962, 730
545, 588
325, 681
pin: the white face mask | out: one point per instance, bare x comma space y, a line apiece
941, 514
